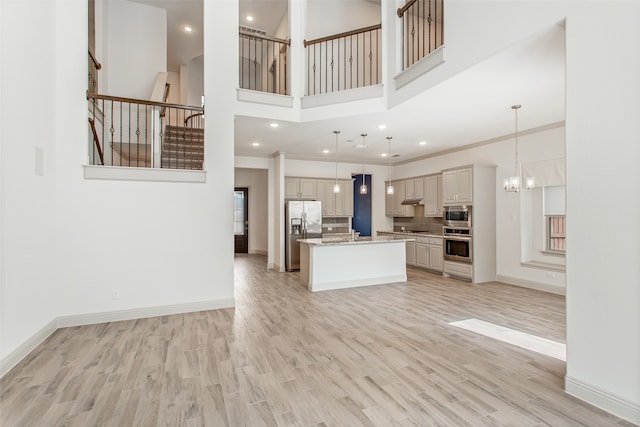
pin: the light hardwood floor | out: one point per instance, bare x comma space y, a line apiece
382, 356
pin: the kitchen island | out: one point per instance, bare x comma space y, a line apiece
347, 263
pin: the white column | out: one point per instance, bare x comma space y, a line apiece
220, 83
297, 67
278, 218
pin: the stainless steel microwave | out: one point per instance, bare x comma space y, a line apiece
457, 216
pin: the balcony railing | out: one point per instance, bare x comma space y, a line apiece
344, 61
263, 63
137, 133
423, 29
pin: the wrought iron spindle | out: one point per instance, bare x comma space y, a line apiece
422, 22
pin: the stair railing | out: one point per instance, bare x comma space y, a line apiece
263, 63
344, 61
94, 67
197, 116
423, 29
135, 134
96, 142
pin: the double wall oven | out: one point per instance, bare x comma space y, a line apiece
458, 234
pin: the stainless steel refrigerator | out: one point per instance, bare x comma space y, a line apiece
303, 220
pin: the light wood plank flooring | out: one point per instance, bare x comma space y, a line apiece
375, 356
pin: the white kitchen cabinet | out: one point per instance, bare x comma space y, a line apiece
429, 253
324, 189
393, 202
300, 188
433, 196
436, 259
458, 269
414, 188
335, 204
422, 252
458, 186
411, 253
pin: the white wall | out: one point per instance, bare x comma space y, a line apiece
157, 243
256, 180
173, 79
28, 289
135, 48
329, 17
196, 80
603, 148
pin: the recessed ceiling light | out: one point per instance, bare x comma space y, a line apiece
422, 142
382, 127
187, 29
274, 125
383, 155
255, 144
249, 18
325, 151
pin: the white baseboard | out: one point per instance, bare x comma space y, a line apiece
257, 252
539, 286
7, 363
613, 404
141, 313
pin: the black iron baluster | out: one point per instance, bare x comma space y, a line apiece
332, 64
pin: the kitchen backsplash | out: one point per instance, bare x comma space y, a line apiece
419, 222
333, 225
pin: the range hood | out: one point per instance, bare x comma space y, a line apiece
413, 202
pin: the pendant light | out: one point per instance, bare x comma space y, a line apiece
389, 184
512, 184
336, 186
363, 187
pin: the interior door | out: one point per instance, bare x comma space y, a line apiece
241, 220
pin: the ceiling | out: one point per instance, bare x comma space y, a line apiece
471, 107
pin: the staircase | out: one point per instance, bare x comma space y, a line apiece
182, 147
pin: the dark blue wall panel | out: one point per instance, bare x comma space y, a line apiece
362, 206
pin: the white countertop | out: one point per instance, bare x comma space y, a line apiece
348, 241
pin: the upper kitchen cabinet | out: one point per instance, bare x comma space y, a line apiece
433, 196
414, 188
300, 188
335, 204
393, 202
458, 186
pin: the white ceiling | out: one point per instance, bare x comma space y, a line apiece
471, 107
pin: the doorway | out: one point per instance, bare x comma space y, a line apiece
241, 220
362, 205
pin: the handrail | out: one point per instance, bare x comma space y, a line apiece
95, 61
192, 116
142, 102
96, 140
403, 9
345, 34
167, 87
271, 39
